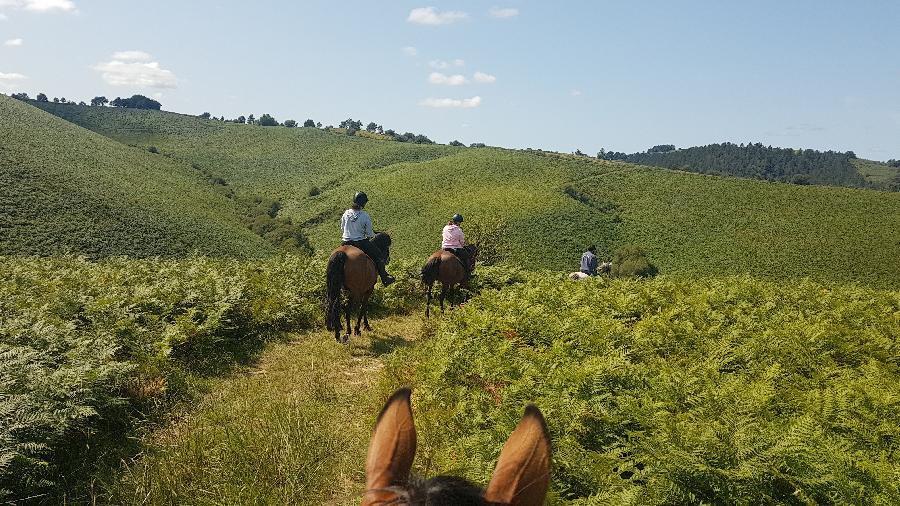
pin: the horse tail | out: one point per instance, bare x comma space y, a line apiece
334, 283
430, 269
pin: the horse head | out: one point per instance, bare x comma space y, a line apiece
521, 477
383, 241
472, 250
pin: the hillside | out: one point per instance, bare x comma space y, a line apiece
66, 189
546, 208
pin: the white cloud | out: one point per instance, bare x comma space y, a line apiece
13, 43
441, 64
481, 77
131, 56
503, 13
11, 77
8, 80
448, 103
575, 93
40, 5
452, 80
3, 17
134, 68
431, 16
410, 51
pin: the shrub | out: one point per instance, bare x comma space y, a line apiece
314, 191
153, 149
631, 261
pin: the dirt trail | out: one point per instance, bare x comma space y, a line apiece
293, 429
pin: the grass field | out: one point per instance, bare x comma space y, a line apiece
64, 189
689, 223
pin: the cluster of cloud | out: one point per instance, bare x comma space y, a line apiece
441, 65
432, 16
13, 43
447, 103
459, 79
135, 68
9, 79
39, 5
503, 12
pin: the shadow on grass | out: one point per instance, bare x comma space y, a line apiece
382, 345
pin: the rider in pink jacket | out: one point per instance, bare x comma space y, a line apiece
454, 241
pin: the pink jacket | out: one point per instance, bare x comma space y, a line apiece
452, 237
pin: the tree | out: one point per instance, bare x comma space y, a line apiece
241, 120
290, 123
20, 96
379, 130
457, 144
390, 133
81, 103
371, 127
477, 145
351, 123
251, 120
41, 97
662, 148
99, 101
309, 124
205, 115
55, 100
136, 102
267, 120
318, 124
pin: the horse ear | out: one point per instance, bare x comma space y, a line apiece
522, 475
391, 449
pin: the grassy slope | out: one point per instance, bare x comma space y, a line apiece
688, 222
875, 172
63, 188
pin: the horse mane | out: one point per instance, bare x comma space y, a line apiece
382, 240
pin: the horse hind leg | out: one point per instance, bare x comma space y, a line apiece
359, 318
428, 301
443, 295
365, 313
348, 317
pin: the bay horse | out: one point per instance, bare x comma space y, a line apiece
350, 270
521, 478
447, 268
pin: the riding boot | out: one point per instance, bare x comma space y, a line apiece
386, 279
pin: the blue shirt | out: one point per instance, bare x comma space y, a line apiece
589, 263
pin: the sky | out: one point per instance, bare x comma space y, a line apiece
618, 75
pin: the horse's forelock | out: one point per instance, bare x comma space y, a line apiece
438, 491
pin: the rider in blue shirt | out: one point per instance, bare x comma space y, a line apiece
589, 261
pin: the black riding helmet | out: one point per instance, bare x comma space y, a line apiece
360, 198
457, 218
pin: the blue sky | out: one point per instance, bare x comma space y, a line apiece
555, 75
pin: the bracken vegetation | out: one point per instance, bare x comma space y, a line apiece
668, 391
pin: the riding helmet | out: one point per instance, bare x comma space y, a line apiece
360, 198
457, 218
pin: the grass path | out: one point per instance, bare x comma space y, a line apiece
292, 430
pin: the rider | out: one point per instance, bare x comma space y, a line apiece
589, 261
356, 230
454, 241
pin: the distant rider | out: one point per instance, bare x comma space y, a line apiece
454, 241
589, 261
356, 230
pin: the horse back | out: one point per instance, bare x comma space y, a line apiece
451, 270
360, 274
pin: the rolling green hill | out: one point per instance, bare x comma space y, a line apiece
65, 189
547, 207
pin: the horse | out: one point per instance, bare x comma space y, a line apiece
447, 268
521, 478
351, 270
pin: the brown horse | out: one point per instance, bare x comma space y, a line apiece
521, 478
447, 268
351, 270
